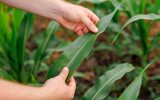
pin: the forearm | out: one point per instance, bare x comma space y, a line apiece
14, 91
46, 8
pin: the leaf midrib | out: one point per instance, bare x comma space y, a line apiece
106, 83
78, 52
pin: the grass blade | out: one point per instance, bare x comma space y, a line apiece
25, 29
102, 87
5, 75
73, 55
132, 91
52, 28
103, 24
17, 17
23, 32
135, 18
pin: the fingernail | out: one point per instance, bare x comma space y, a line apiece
65, 68
95, 30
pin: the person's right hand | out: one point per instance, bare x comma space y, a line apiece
76, 18
56, 88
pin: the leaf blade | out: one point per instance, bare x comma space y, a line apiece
136, 18
103, 85
132, 91
72, 55
52, 28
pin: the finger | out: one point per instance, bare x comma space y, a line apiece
91, 26
94, 18
64, 73
78, 27
72, 85
85, 30
80, 32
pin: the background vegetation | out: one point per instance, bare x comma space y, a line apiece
31, 49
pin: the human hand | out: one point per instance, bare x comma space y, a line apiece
56, 88
74, 17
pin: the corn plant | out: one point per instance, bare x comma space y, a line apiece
139, 11
13, 39
103, 85
78, 50
13, 45
14, 57
75, 53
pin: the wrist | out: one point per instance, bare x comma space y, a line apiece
57, 9
44, 93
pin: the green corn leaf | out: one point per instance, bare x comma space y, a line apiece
33, 80
17, 17
52, 28
5, 75
115, 3
73, 55
103, 85
5, 29
131, 6
132, 91
103, 24
25, 29
77, 51
138, 17
158, 98
95, 1
155, 42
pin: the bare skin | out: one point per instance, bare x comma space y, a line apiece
73, 17
54, 89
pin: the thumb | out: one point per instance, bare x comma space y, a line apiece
91, 26
64, 73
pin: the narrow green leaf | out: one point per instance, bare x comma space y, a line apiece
77, 51
132, 91
115, 3
131, 7
33, 79
141, 16
5, 29
17, 17
102, 87
138, 17
155, 42
103, 24
5, 75
73, 55
158, 98
52, 28
95, 1
25, 29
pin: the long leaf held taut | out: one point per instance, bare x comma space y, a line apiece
102, 87
135, 18
77, 51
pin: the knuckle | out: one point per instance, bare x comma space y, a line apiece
90, 24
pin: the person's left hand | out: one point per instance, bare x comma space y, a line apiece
56, 88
